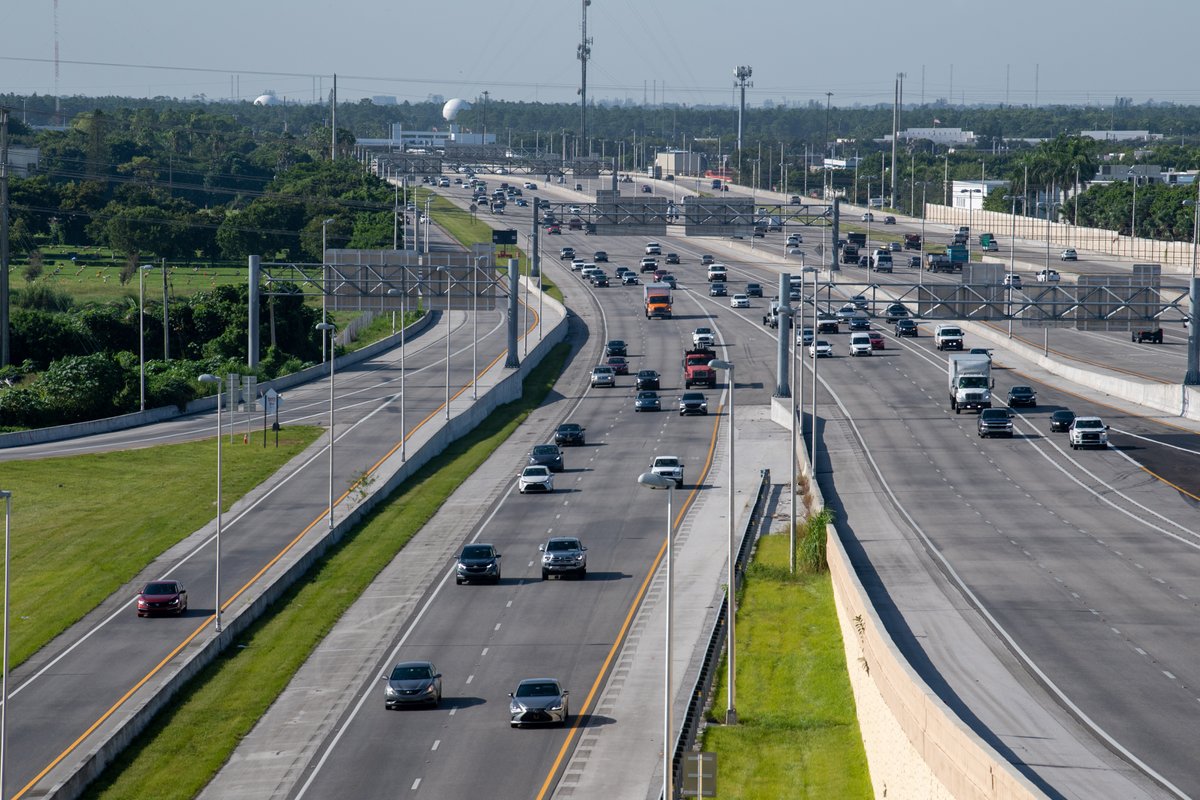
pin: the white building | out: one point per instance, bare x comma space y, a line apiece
937, 135
1120, 136
969, 195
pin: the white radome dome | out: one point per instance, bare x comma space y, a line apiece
453, 107
268, 99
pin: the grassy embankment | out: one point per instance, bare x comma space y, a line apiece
93, 522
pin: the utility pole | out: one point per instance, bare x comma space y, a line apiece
825, 144
899, 94
4, 353
742, 80
585, 52
333, 126
483, 122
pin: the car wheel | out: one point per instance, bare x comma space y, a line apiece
583, 574
458, 581
545, 575
496, 580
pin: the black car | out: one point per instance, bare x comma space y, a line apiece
546, 455
599, 256
647, 379
860, 324
754, 290
914, 262
1060, 421
895, 312
569, 434
600, 280
616, 347
672, 258
716, 290
693, 403
670, 280
889, 220
1022, 396
906, 327
477, 562
567, 252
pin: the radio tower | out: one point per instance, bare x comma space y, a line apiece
585, 52
742, 76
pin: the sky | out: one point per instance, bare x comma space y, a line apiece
1023, 52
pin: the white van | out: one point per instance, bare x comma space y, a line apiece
860, 344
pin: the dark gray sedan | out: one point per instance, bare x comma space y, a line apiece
412, 683
538, 701
647, 379
546, 455
647, 401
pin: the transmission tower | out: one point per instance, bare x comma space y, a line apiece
742, 80
585, 52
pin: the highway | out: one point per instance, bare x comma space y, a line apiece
1086, 561
110, 650
485, 639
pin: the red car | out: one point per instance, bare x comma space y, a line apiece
618, 364
162, 597
553, 230
877, 340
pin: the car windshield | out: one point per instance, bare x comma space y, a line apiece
647, 396
159, 588
954, 332
559, 545
570, 427
545, 450
1022, 390
1088, 423
477, 551
973, 382
647, 373
412, 672
666, 462
536, 472
539, 689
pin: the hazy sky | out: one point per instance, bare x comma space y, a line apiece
1080, 50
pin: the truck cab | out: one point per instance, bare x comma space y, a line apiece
1088, 432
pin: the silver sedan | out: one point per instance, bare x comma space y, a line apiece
538, 701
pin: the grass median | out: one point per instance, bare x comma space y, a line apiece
797, 734
178, 755
93, 522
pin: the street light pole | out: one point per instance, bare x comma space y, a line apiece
1192, 377
653, 481
209, 378
141, 340
326, 328
324, 286
731, 661
475, 328
446, 272
4, 680
1012, 258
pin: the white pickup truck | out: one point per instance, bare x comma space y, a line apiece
948, 337
668, 467
1088, 432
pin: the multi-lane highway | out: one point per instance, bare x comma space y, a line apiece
88, 673
1085, 561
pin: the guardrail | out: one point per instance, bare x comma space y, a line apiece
702, 689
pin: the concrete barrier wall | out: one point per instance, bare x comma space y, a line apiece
1174, 256
1172, 398
915, 745
123, 422
72, 776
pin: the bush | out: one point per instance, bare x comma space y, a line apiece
23, 407
811, 547
86, 387
43, 298
169, 389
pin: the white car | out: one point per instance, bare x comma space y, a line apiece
1012, 279
577, 264
653, 249
604, 375
860, 344
703, 337
739, 301
1048, 276
576, 210
820, 349
1069, 255
535, 479
1087, 432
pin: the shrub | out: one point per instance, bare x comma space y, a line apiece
811, 555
